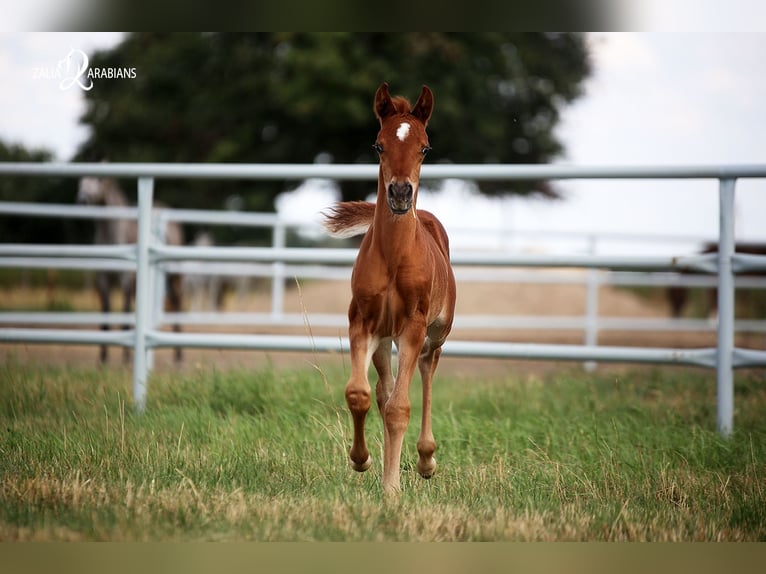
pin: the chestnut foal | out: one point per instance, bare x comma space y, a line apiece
403, 288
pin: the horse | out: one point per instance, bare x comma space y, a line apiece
206, 291
403, 288
105, 192
678, 296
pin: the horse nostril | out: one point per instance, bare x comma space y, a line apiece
400, 197
400, 190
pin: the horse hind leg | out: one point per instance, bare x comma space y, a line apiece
385, 385
128, 292
102, 287
174, 300
427, 363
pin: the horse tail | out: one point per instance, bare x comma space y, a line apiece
349, 218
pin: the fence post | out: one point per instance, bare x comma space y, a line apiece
725, 307
157, 278
591, 306
143, 294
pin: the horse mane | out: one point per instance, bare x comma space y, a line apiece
401, 104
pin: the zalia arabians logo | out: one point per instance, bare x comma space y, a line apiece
74, 70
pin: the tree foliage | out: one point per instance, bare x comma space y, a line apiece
26, 229
305, 97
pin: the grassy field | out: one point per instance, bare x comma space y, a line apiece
241, 455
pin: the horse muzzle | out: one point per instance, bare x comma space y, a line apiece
400, 197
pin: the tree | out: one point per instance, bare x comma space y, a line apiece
23, 229
305, 97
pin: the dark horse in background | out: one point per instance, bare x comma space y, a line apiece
105, 192
678, 296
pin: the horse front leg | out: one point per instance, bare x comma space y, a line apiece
363, 346
397, 409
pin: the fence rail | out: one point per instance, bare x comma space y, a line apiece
151, 258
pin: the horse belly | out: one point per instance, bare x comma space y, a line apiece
442, 303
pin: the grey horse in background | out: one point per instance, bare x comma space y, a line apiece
104, 191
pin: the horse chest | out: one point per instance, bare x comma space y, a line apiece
386, 297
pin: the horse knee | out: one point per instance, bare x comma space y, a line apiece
358, 400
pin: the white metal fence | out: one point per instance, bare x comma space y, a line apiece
150, 258
591, 322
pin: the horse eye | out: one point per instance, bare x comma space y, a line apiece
377, 147
425, 150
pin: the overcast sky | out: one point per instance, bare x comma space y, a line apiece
668, 98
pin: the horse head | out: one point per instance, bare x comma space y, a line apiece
402, 144
91, 191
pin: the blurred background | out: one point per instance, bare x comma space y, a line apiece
589, 99
584, 99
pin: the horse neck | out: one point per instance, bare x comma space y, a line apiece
393, 234
113, 195
113, 231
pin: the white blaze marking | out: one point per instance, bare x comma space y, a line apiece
402, 131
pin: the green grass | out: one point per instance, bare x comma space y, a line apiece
13, 278
242, 455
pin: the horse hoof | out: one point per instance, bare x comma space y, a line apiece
427, 470
363, 466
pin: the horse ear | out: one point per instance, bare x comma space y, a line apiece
424, 106
384, 106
